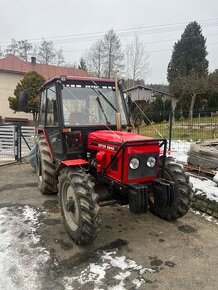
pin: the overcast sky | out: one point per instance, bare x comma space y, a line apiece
62, 20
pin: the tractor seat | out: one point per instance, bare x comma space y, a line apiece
78, 118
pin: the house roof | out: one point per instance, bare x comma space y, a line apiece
148, 89
13, 64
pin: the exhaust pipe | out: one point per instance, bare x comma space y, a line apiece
118, 114
118, 122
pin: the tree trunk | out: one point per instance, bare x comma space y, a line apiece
34, 118
173, 108
192, 107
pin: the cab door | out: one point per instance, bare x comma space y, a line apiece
52, 123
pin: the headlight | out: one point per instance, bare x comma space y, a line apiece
134, 163
151, 161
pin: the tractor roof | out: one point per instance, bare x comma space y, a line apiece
77, 80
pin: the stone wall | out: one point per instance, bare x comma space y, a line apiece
205, 205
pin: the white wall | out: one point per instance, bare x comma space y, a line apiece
8, 82
141, 94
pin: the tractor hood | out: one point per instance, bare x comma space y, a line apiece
115, 136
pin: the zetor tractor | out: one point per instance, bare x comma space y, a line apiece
83, 138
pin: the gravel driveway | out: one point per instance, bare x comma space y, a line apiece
131, 252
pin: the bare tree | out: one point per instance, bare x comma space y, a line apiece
136, 60
94, 59
112, 53
46, 52
60, 57
24, 48
71, 65
1, 52
12, 48
82, 64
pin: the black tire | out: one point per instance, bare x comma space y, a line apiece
183, 193
78, 203
45, 168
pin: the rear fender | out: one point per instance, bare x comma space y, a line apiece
42, 130
69, 163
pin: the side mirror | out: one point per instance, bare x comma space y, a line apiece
22, 101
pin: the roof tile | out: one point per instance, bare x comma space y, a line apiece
12, 63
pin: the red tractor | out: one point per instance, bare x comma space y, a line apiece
83, 138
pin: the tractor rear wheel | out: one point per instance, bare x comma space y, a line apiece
79, 205
183, 193
45, 168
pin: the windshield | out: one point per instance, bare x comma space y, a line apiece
87, 106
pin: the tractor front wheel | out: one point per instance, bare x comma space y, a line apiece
79, 205
182, 192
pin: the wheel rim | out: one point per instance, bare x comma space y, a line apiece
70, 206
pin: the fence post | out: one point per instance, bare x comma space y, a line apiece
171, 129
17, 142
211, 124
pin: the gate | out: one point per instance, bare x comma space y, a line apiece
15, 142
27, 140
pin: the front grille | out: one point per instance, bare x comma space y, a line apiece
143, 170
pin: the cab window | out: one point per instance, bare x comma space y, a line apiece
42, 109
51, 118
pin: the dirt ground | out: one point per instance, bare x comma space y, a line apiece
150, 253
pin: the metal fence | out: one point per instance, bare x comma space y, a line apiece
27, 139
15, 142
203, 125
8, 141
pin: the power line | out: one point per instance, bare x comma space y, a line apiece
126, 32
146, 43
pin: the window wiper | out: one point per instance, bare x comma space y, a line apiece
100, 105
99, 92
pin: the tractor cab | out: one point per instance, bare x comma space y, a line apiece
72, 107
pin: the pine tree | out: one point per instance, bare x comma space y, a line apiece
31, 83
94, 59
188, 67
112, 53
82, 64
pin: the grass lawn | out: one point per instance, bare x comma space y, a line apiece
201, 128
